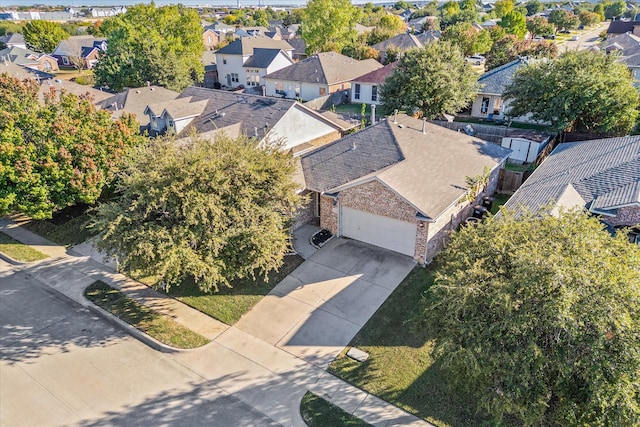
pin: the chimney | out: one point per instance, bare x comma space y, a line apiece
373, 114
424, 125
395, 116
148, 84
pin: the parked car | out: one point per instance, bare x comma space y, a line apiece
476, 59
574, 38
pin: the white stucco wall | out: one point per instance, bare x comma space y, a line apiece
233, 65
298, 127
366, 90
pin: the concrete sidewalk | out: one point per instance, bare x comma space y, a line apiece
262, 375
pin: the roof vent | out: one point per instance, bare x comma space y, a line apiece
395, 116
424, 125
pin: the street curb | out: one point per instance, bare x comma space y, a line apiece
131, 330
11, 260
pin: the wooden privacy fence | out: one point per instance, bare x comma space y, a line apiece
510, 181
485, 132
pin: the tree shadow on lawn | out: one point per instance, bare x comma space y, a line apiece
229, 304
402, 368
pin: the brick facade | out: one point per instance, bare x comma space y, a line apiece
329, 214
307, 212
375, 198
627, 216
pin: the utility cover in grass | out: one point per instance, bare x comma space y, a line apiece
358, 355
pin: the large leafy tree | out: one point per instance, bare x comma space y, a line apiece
208, 211
562, 18
509, 48
582, 91
514, 23
161, 45
43, 36
431, 81
470, 39
539, 319
56, 154
539, 26
503, 7
329, 25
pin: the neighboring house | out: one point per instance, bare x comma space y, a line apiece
221, 27
423, 23
210, 39
29, 59
251, 31
627, 46
12, 15
85, 48
231, 60
622, 27
319, 75
135, 100
601, 176
489, 102
57, 86
525, 145
398, 184
105, 12
13, 40
365, 89
400, 44
299, 48
203, 110
362, 29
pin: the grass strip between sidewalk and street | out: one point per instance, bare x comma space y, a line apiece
402, 367
19, 251
318, 412
228, 305
160, 327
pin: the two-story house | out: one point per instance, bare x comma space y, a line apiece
270, 55
84, 48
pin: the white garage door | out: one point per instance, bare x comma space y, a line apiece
388, 233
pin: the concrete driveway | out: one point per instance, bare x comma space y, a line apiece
316, 310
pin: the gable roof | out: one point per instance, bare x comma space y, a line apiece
377, 76
401, 42
415, 165
135, 101
20, 56
299, 46
77, 46
13, 39
262, 58
246, 45
495, 81
604, 172
325, 68
620, 27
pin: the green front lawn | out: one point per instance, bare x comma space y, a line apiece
317, 412
66, 232
160, 327
230, 304
401, 368
19, 251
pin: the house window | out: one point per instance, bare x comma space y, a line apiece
235, 78
170, 123
484, 107
209, 39
65, 60
224, 61
46, 66
356, 93
322, 91
280, 89
374, 93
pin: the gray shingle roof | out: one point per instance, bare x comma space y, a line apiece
19, 56
428, 170
262, 58
246, 45
338, 163
605, 173
495, 81
77, 46
226, 108
401, 42
325, 68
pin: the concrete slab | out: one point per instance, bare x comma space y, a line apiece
349, 398
302, 240
88, 249
378, 413
273, 317
357, 302
384, 268
341, 254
